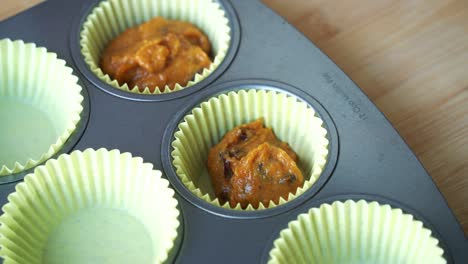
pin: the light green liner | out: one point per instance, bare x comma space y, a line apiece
356, 233
40, 105
90, 207
292, 121
110, 18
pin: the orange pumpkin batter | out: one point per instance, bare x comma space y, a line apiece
157, 53
250, 165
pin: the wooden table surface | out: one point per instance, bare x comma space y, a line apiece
409, 57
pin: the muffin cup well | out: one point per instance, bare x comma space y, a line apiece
40, 105
111, 17
356, 232
93, 206
291, 119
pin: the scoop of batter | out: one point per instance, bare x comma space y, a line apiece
250, 165
157, 53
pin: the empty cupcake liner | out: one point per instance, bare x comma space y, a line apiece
112, 17
90, 207
293, 121
40, 105
356, 232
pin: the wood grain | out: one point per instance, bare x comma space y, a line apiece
11, 7
410, 57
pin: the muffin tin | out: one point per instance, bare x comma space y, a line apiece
367, 159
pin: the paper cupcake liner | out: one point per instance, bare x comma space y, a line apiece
112, 17
292, 121
356, 232
40, 105
90, 207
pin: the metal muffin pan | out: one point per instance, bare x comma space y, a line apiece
367, 159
